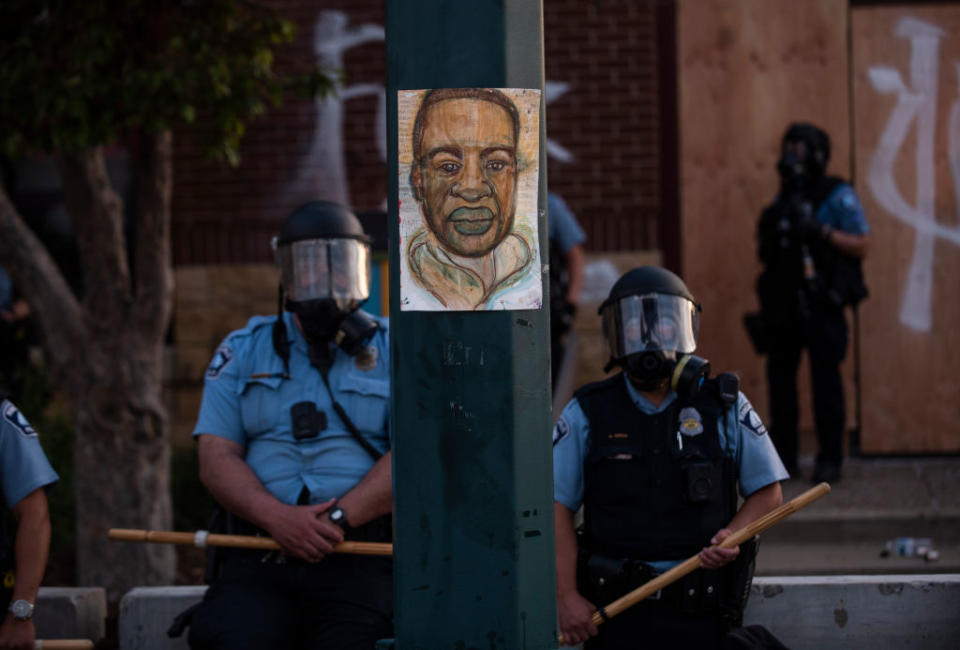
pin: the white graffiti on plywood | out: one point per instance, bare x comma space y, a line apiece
323, 171
916, 103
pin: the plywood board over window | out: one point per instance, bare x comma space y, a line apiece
906, 96
746, 70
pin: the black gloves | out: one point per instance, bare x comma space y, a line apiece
813, 229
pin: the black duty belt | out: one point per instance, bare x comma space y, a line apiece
603, 579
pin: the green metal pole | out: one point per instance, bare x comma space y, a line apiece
472, 464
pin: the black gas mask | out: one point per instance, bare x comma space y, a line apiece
650, 369
654, 369
803, 158
319, 319
324, 320
324, 261
793, 171
688, 374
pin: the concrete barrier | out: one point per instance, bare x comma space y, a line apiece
146, 614
71, 613
878, 612
871, 612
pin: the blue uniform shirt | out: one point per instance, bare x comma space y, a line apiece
23, 465
6, 289
740, 429
247, 400
842, 210
562, 226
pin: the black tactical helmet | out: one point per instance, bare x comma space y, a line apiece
324, 261
321, 220
650, 320
647, 279
322, 252
817, 141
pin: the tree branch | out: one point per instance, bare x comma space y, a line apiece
97, 213
54, 307
154, 276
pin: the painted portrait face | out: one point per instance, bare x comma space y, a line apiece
466, 177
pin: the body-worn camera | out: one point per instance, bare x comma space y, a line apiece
702, 481
306, 420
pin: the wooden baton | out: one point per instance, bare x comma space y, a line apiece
691, 564
202, 538
63, 644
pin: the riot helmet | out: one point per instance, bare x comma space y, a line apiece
651, 323
323, 253
324, 261
805, 152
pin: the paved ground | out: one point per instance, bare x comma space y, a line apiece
878, 499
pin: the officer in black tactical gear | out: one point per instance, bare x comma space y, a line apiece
656, 455
811, 241
293, 441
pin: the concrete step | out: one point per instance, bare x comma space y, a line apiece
849, 557
828, 545
878, 499
805, 613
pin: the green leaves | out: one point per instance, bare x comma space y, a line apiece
78, 74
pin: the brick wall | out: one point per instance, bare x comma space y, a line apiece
608, 119
223, 214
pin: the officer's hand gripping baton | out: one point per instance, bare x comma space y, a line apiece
691, 564
202, 538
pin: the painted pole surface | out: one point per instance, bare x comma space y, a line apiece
472, 463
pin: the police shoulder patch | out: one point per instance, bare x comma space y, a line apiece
560, 431
848, 199
13, 415
750, 420
220, 361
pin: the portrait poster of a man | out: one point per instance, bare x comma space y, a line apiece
469, 170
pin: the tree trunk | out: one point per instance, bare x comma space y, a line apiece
105, 354
122, 460
122, 453
108, 365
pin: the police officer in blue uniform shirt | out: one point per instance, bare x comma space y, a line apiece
293, 440
811, 241
567, 264
656, 455
25, 475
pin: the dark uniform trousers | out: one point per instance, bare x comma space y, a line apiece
660, 624
345, 602
824, 335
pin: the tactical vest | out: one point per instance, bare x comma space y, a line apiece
839, 277
647, 496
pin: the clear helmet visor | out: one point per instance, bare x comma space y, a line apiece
313, 269
651, 322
